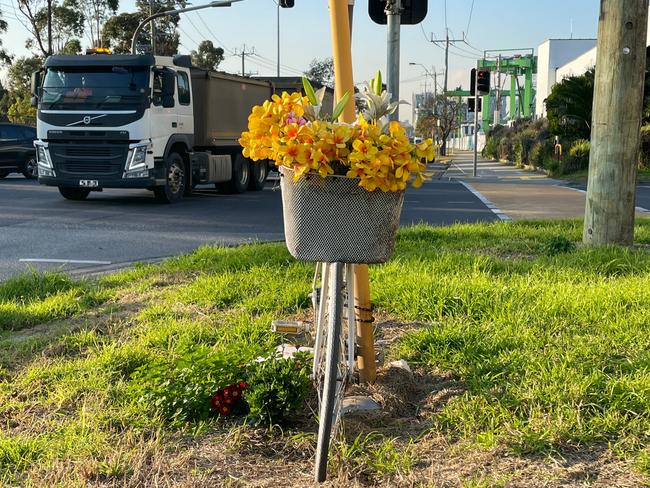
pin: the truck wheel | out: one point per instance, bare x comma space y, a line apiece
30, 169
174, 188
259, 172
241, 174
74, 193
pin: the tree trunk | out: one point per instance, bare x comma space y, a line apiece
616, 122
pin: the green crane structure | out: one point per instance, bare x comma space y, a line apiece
514, 66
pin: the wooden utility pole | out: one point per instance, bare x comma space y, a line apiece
616, 122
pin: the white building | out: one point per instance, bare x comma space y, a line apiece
560, 58
552, 56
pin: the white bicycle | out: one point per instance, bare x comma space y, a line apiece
334, 349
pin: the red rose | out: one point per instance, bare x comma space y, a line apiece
225, 410
243, 385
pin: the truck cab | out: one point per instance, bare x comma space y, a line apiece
128, 121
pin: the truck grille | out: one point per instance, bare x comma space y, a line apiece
97, 160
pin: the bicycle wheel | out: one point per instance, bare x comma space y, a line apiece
335, 373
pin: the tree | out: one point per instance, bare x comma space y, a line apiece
67, 23
321, 72
119, 29
438, 119
73, 46
96, 13
19, 108
20, 74
568, 107
207, 56
4, 57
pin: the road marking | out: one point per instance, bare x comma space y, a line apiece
486, 202
637, 209
62, 261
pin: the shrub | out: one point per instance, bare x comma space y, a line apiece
540, 153
490, 150
180, 388
558, 245
644, 153
277, 387
577, 157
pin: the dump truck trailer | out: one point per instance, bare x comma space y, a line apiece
139, 121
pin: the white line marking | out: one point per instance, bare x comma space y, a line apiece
485, 201
637, 209
62, 261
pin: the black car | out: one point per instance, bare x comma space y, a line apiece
17, 153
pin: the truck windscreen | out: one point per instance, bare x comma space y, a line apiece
107, 88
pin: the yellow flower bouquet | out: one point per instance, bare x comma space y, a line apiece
342, 184
288, 130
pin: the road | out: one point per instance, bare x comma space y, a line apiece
117, 227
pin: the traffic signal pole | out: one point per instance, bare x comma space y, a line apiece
475, 166
393, 11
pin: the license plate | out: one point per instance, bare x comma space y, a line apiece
89, 183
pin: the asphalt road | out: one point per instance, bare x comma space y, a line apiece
118, 227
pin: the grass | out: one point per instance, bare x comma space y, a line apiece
550, 343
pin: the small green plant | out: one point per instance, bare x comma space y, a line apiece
180, 389
558, 245
277, 387
374, 455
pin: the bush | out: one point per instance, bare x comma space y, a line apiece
490, 151
181, 388
540, 153
577, 158
644, 153
558, 245
277, 388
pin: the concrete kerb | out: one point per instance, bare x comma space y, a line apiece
495, 210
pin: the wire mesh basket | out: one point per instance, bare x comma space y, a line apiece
333, 219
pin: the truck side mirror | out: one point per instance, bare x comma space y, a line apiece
36, 83
34, 101
168, 86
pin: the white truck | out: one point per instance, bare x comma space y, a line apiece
139, 121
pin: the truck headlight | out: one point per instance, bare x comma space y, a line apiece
43, 156
45, 167
138, 159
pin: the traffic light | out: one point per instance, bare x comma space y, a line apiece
413, 11
483, 82
470, 105
287, 3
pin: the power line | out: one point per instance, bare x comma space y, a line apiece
469, 20
445, 15
187, 35
223, 45
288, 68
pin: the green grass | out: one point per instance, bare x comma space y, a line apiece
551, 344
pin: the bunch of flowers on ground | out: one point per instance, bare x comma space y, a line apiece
288, 129
229, 399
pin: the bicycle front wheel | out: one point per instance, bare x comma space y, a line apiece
334, 378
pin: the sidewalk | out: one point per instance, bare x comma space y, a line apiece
516, 194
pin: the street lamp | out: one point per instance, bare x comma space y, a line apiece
216, 3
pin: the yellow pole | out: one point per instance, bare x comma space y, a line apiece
342, 54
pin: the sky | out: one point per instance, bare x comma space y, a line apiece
305, 35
